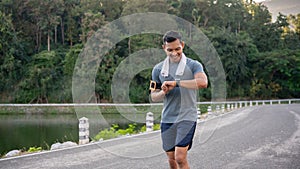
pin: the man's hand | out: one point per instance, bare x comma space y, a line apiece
157, 94
168, 86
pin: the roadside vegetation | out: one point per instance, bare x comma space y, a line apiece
115, 131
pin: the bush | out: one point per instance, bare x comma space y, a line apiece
34, 149
130, 130
155, 127
114, 131
106, 134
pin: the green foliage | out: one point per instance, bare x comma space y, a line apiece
43, 79
105, 74
291, 41
70, 59
115, 131
235, 50
137, 6
279, 77
155, 127
34, 149
263, 32
91, 23
250, 45
130, 130
10, 61
106, 134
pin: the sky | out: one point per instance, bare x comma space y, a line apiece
286, 7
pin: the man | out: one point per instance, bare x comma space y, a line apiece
180, 77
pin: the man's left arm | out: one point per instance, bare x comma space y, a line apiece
199, 81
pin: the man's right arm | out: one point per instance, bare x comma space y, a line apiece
157, 95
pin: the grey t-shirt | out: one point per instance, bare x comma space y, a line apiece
179, 103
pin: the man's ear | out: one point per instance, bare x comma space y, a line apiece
163, 46
182, 44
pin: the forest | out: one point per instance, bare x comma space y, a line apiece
40, 41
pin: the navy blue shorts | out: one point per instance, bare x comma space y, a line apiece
179, 134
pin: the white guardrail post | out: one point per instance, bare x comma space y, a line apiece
84, 130
218, 109
198, 113
209, 110
149, 122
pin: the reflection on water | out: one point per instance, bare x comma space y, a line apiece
21, 131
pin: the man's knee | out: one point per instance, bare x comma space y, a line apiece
172, 161
181, 155
180, 159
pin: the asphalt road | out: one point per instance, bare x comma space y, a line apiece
262, 137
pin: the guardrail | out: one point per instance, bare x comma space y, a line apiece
204, 107
278, 101
245, 103
229, 105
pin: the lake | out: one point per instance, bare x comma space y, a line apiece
22, 128
21, 131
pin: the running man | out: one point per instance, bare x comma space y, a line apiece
177, 79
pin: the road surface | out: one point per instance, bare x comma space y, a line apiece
258, 137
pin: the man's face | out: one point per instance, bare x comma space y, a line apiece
174, 50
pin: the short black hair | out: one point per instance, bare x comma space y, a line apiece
171, 36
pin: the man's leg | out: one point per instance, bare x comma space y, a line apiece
177, 156
172, 161
184, 140
168, 135
181, 157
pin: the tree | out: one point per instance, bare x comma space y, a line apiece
136, 6
229, 14
265, 34
185, 10
279, 77
46, 16
10, 62
52, 10
35, 36
68, 69
72, 21
235, 50
91, 22
43, 80
112, 12
291, 35
296, 22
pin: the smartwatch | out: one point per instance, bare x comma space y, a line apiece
177, 82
